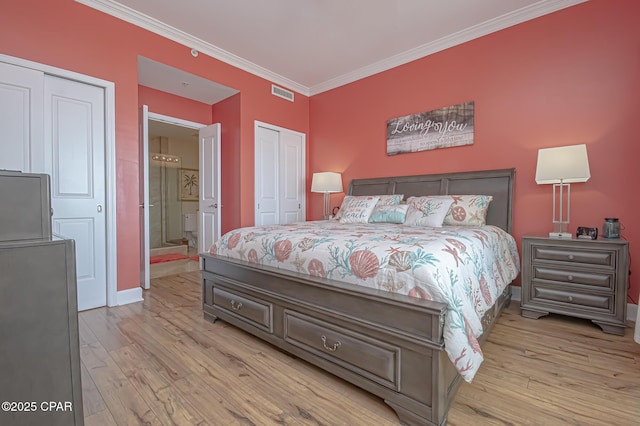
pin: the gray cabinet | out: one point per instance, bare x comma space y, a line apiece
581, 278
39, 342
25, 209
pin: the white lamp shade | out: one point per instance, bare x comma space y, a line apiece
566, 164
326, 182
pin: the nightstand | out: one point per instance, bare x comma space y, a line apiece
581, 278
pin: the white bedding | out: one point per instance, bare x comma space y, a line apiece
465, 267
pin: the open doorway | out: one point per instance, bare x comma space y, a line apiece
173, 197
164, 78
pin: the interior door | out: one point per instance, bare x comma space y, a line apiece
74, 157
64, 133
143, 194
292, 180
279, 175
267, 172
21, 117
209, 204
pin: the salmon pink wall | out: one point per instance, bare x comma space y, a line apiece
174, 106
571, 77
69, 35
227, 113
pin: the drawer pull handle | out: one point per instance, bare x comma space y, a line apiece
236, 306
570, 298
330, 349
570, 277
571, 257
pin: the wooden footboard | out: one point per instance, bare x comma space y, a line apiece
388, 344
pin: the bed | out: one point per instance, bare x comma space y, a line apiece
388, 343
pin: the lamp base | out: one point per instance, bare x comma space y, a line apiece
561, 235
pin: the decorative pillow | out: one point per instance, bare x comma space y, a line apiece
358, 209
427, 211
389, 214
343, 207
468, 210
385, 200
389, 200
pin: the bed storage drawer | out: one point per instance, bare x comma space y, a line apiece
375, 360
249, 309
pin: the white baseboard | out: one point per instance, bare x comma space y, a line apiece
632, 310
131, 295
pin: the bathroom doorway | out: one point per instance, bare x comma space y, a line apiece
173, 198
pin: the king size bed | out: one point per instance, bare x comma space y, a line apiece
397, 309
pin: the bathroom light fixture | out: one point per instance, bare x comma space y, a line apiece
327, 183
165, 158
561, 167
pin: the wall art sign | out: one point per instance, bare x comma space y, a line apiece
440, 128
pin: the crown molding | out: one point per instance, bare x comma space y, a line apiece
540, 8
141, 20
533, 11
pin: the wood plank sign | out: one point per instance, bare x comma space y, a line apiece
440, 128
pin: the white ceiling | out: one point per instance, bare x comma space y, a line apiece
172, 80
311, 46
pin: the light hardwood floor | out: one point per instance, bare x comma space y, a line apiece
159, 362
163, 269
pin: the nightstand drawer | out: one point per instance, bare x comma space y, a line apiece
574, 299
590, 258
601, 280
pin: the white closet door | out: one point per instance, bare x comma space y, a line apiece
279, 175
266, 176
74, 157
291, 177
21, 117
69, 145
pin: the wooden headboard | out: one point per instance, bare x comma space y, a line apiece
498, 183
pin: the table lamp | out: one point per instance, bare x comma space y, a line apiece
327, 183
562, 166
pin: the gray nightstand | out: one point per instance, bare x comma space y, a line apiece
581, 278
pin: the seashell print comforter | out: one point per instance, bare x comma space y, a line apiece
465, 267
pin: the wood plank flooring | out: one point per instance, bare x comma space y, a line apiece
159, 362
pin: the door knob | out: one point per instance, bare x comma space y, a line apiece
99, 207
215, 206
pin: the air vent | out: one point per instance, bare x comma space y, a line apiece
282, 93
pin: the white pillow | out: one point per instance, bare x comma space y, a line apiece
358, 209
384, 200
468, 210
389, 200
427, 211
343, 206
